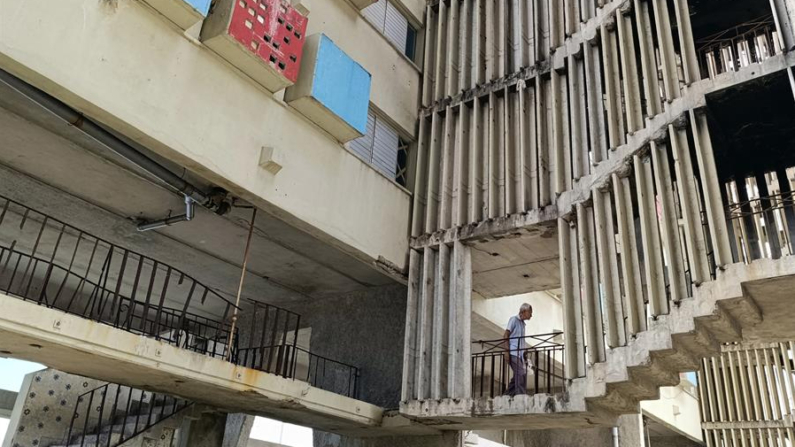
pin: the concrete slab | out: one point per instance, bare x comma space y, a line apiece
79, 346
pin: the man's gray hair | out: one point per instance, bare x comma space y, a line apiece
525, 307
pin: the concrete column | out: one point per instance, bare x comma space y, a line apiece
651, 86
596, 120
432, 189
440, 73
578, 117
784, 15
629, 70
590, 295
686, 43
650, 235
558, 115
615, 115
633, 293
453, 69
669, 222
569, 314
711, 188
410, 346
608, 271
429, 58
667, 53
631, 431
421, 179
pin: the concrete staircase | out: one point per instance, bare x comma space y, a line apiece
124, 426
672, 344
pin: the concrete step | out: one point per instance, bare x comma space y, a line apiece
673, 343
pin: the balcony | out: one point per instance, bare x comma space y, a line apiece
91, 292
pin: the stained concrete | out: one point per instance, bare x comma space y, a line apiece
42, 417
364, 329
591, 437
448, 439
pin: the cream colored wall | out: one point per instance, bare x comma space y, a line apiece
125, 66
547, 311
678, 409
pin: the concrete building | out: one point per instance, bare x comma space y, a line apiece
324, 212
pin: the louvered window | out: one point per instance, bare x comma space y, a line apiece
382, 148
388, 19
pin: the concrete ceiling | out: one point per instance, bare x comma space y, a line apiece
54, 168
514, 265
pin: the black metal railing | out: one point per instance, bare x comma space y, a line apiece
56, 265
762, 227
301, 364
535, 366
112, 414
736, 47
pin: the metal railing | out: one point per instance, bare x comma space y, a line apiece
112, 414
737, 47
762, 227
301, 364
53, 264
536, 368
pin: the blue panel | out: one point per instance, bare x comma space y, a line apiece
341, 85
203, 6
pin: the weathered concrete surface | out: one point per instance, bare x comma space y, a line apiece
540, 411
591, 437
171, 112
448, 439
80, 346
366, 330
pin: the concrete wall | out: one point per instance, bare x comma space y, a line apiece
220, 136
677, 409
592, 437
448, 439
365, 330
547, 311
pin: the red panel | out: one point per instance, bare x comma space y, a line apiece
273, 30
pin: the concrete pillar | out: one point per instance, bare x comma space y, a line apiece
631, 431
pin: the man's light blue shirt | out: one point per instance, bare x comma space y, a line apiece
516, 326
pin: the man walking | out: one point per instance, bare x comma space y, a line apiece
517, 349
